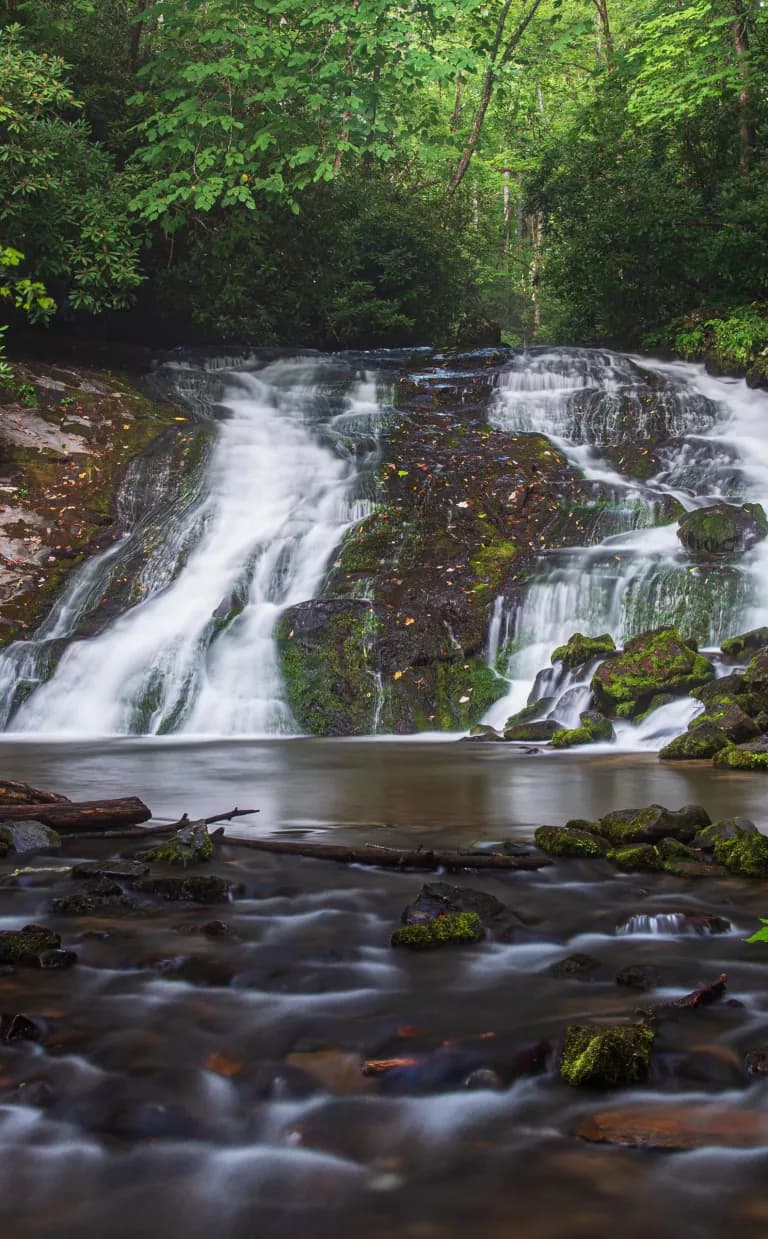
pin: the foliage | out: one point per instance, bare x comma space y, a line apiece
760, 935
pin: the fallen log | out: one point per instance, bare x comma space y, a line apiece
165, 828
76, 815
23, 794
394, 858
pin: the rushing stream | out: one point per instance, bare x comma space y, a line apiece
290, 470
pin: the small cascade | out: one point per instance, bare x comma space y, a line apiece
670, 923
284, 480
630, 573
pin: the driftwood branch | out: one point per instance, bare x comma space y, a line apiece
166, 828
74, 815
394, 858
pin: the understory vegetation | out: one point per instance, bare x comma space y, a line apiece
372, 172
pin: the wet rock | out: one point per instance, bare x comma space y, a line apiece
567, 841
56, 960
722, 528
118, 870
578, 966
676, 1125
531, 713
197, 970
636, 858
189, 846
756, 1062
449, 930
339, 1072
19, 1028
746, 855
545, 729
192, 889
730, 717
673, 849
638, 976
698, 744
660, 661
680, 868
680, 922
606, 1055
481, 732
755, 674
648, 825
25, 838
98, 895
37, 1093
483, 1078
23, 793
23, 946
579, 649
441, 899
725, 828
594, 727
753, 756
726, 688
711, 1068
704, 996
746, 643
217, 929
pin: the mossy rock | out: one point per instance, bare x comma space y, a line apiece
25, 838
729, 716
680, 868
696, 745
727, 688
564, 841
743, 757
745, 643
746, 855
660, 661
594, 728
755, 674
455, 929
636, 858
531, 713
673, 849
723, 831
624, 826
722, 529
606, 1056
192, 889
544, 730
579, 649
23, 946
189, 846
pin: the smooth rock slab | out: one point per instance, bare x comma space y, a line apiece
678, 1126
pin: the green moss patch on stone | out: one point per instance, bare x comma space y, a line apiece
455, 929
606, 1056
544, 730
565, 841
659, 661
636, 858
579, 649
722, 528
696, 745
745, 643
593, 729
189, 846
21, 946
648, 825
741, 757
746, 855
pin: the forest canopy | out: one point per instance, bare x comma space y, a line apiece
362, 171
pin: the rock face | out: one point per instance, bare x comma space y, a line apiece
654, 662
722, 529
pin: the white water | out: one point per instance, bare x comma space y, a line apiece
585, 401
277, 501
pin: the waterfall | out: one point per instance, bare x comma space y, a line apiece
282, 484
715, 434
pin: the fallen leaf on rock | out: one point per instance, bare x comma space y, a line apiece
223, 1066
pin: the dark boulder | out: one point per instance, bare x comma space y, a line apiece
745, 643
660, 661
722, 529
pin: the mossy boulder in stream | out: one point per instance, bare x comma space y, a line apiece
625, 826
606, 1056
638, 857
455, 929
746, 855
745, 643
569, 841
722, 528
698, 744
189, 846
27, 837
545, 729
23, 946
579, 649
660, 661
743, 756
594, 727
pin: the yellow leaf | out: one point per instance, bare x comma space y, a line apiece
398, 675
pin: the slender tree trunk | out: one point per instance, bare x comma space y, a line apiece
604, 36
501, 52
537, 234
456, 113
346, 115
741, 47
134, 51
507, 201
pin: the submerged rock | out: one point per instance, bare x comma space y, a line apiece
722, 528
676, 1125
118, 870
27, 837
660, 661
578, 965
606, 1055
453, 929
23, 946
192, 889
579, 649
568, 841
638, 976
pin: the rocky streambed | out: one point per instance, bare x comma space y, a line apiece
237, 1043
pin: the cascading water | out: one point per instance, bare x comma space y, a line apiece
715, 434
282, 484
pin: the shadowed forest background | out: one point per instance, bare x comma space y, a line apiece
363, 172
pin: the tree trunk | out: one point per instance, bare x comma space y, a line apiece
741, 47
394, 858
604, 36
80, 815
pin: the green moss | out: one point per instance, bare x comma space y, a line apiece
722, 528
579, 649
745, 643
565, 841
329, 683
177, 852
531, 713
17, 946
454, 929
673, 849
656, 703
640, 856
746, 855
702, 742
533, 733
491, 562
593, 729
734, 758
654, 662
606, 1056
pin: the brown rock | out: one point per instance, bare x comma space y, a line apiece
680, 1126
